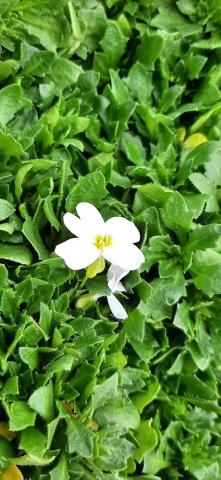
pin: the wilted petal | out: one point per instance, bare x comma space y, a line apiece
116, 308
122, 229
124, 255
76, 253
114, 275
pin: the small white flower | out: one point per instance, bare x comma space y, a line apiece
114, 275
113, 240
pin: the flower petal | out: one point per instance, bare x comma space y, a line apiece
116, 308
75, 225
122, 229
91, 218
76, 253
124, 255
120, 287
114, 275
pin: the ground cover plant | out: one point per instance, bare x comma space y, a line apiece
118, 104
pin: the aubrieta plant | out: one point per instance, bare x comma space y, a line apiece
110, 239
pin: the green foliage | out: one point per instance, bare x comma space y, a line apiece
116, 103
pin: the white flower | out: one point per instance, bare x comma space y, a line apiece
114, 275
113, 240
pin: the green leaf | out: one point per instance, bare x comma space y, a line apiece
139, 82
9, 302
140, 336
104, 391
163, 293
32, 234
11, 386
90, 188
11, 100
19, 179
154, 462
175, 213
32, 460
182, 318
113, 43
142, 399
16, 253
6, 453
33, 442
6, 209
206, 272
52, 31
149, 49
51, 428
49, 212
3, 276
133, 148
64, 72
45, 318
171, 21
7, 68
98, 285
202, 361
9, 147
41, 164
147, 438
202, 183
116, 413
194, 65
21, 416
119, 89
60, 470
80, 438
160, 248
204, 237
115, 452
29, 356
154, 194
42, 401
196, 387
62, 364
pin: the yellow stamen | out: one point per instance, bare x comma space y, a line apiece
102, 241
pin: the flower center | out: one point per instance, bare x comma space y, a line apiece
102, 241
